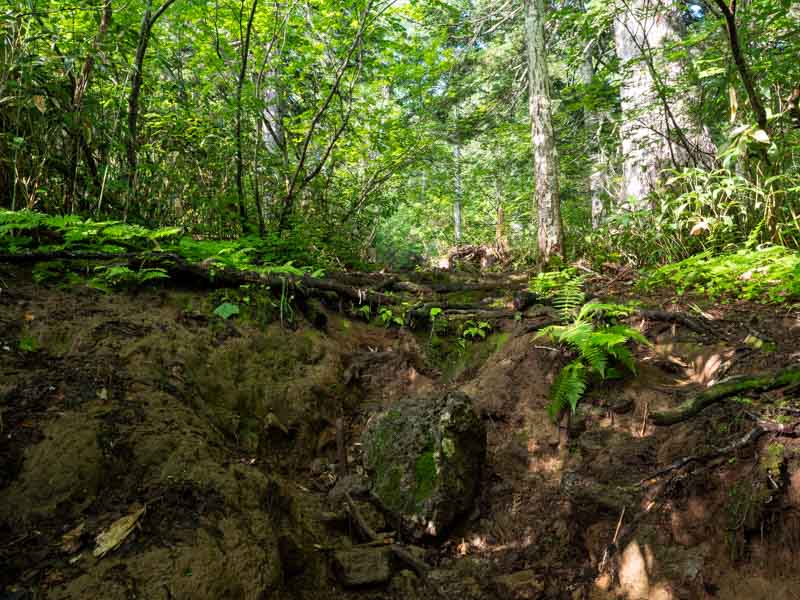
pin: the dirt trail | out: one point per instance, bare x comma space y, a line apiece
224, 432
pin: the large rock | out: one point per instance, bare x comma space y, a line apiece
424, 458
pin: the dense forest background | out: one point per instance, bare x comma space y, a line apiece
349, 130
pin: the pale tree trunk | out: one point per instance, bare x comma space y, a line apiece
545, 157
271, 133
658, 130
500, 238
457, 220
593, 121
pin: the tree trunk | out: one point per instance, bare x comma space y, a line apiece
545, 157
76, 140
272, 134
239, 88
457, 221
594, 122
658, 130
500, 239
132, 143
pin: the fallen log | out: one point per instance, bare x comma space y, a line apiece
216, 275
725, 389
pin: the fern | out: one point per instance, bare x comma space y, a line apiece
563, 288
568, 389
602, 349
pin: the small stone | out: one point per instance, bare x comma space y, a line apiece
522, 585
363, 566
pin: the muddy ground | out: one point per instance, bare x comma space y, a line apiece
219, 438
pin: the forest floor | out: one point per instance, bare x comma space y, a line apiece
218, 440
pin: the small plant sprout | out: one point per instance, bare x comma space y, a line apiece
476, 329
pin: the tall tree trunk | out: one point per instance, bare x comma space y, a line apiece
597, 159
132, 143
457, 217
500, 239
658, 129
76, 140
239, 87
272, 133
545, 157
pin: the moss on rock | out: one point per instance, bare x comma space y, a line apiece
424, 458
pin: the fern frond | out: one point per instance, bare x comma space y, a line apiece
572, 334
596, 357
569, 298
633, 335
568, 389
623, 356
605, 311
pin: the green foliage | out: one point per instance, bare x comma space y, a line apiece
567, 389
601, 345
372, 157
364, 311
118, 276
769, 274
387, 317
46, 233
28, 343
563, 288
226, 310
475, 329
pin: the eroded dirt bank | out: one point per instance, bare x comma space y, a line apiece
220, 438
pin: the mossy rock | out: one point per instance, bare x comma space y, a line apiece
424, 458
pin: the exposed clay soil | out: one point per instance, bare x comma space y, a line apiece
224, 432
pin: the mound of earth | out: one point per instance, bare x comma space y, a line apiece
224, 457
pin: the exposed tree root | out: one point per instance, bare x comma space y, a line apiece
402, 554
361, 524
700, 326
725, 389
359, 288
652, 501
735, 445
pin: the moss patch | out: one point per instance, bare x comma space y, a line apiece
425, 473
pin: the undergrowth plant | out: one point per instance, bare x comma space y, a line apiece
26, 231
769, 274
121, 277
593, 334
564, 289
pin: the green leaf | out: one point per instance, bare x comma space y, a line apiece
226, 310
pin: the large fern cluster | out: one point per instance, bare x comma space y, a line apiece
27, 230
601, 347
768, 274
